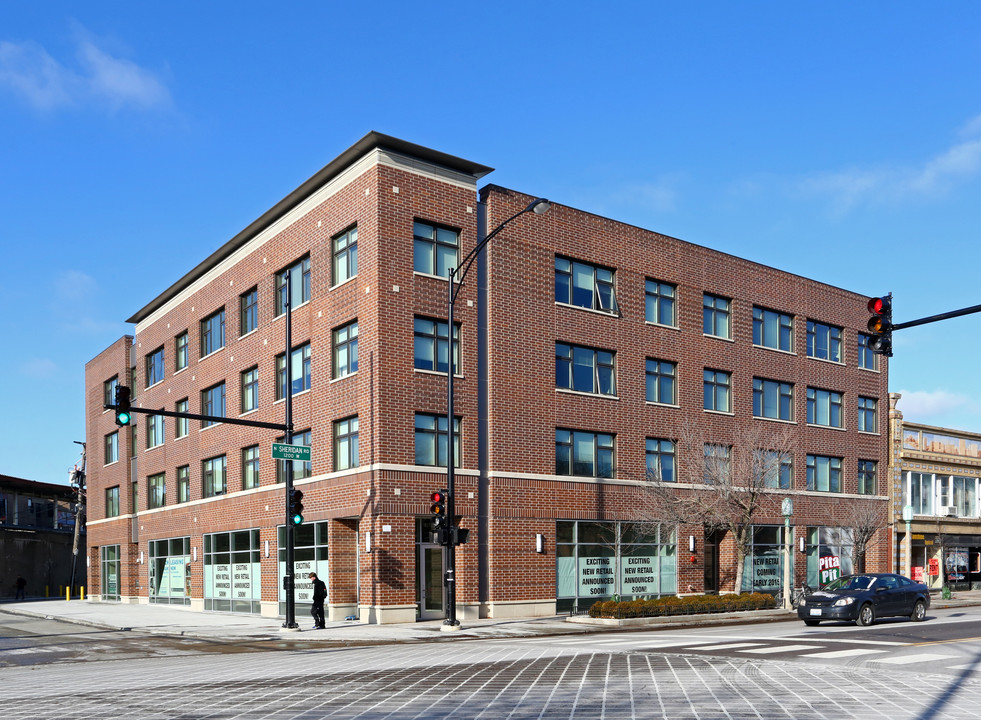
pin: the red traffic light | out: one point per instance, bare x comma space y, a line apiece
879, 305
438, 497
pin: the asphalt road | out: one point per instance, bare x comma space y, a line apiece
896, 669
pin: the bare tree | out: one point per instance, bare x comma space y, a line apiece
865, 517
721, 487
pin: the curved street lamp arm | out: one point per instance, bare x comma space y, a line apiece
457, 276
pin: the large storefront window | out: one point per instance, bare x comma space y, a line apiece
919, 493
763, 564
829, 554
309, 554
109, 566
596, 561
231, 572
170, 571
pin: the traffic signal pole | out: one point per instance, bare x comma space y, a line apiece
289, 579
935, 318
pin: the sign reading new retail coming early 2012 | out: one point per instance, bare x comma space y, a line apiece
283, 451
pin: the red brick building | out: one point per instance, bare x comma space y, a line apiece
586, 348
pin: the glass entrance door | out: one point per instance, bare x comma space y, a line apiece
429, 582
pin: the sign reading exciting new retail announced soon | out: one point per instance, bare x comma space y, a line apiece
283, 451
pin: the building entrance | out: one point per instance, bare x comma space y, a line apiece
430, 592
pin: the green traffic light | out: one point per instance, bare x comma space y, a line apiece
297, 519
122, 418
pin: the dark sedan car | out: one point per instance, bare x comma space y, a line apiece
863, 598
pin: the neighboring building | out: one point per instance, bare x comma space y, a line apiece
935, 472
37, 532
582, 348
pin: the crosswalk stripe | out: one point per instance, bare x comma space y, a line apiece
729, 646
779, 649
853, 652
910, 659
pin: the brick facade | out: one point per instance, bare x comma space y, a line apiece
507, 489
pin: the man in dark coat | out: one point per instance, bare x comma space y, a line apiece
319, 595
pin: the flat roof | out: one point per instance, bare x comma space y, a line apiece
373, 140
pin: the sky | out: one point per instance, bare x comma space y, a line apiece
841, 142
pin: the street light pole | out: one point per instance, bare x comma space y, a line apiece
788, 512
456, 278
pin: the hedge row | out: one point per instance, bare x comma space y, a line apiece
673, 605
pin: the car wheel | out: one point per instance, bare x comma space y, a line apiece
919, 611
812, 623
866, 616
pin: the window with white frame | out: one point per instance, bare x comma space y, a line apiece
345, 350
112, 448
154, 431
584, 285
345, 249
346, 443
920, 492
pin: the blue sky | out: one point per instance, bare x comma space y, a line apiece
839, 142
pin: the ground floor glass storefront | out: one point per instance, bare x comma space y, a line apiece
309, 555
231, 572
170, 571
829, 552
763, 564
602, 560
109, 572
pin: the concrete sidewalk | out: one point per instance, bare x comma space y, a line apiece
180, 621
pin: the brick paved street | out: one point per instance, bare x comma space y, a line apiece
480, 679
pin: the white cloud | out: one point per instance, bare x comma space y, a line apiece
920, 405
935, 176
97, 78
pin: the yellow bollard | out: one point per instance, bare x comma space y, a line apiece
68, 594
45, 591
81, 590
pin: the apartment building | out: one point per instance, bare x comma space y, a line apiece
589, 358
934, 474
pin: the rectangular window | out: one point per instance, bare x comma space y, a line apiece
250, 467
659, 305
248, 305
431, 440
250, 389
213, 333
156, 491
584, 369
109, 390
213, 477
154, 431
112, 448
866, 477
112, 502
777, 469
180, 351
435, 250
183, 484
584, 454
717, 468
301, 469
345, 256
824, 473
866, 358
345, 350
660, 460
584, 285
213, 403
180, 424
867, 415
662, 381
824, 408
964, 492
431, 345
155, 367
920, 493
346, 443
716, 395
299, 285
772, 399
773, 329
299, 371
715, 316
824, 341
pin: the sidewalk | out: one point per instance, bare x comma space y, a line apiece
180, 621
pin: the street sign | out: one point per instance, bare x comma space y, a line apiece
282, 451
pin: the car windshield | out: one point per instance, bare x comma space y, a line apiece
851, 582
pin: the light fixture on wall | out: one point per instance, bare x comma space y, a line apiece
141, 557
691, 543
194, 554
800, 543
539, 543
367, 542
267, 548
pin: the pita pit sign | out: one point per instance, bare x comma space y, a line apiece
830, 567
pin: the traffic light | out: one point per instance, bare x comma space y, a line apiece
296, 507
880, 325
123, 414
438, 509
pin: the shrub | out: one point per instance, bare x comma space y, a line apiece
674, 605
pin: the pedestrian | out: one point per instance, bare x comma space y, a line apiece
21, 584
317, 608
